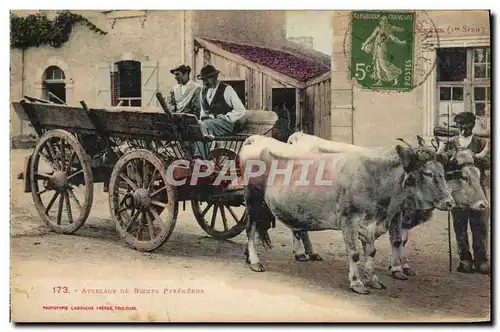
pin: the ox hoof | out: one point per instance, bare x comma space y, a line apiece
315, 257
409, 272
360, 289
301, 258
399, 275
375, 285
257, 267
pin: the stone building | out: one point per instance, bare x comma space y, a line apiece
133, 60
452, 70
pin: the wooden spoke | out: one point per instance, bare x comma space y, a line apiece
206, 209
75, 174
145, 174
52, 154
152, 180
149, 220
62, 157
48, 160
157, 217
72, 195
232, 213
132, 220
129, 181
160, 204
68, 207
42, 191
52, 201
122, 201
122, 191
42, 176
142, 220
59, 211
158, 191
136, 174
224, 220
70, 162
123, 209
214, 216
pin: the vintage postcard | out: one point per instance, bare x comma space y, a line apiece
250, 166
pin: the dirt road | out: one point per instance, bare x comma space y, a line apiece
196, 278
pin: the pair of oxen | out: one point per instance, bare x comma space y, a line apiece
369, 191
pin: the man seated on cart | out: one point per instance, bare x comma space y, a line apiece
184, 97
222, 111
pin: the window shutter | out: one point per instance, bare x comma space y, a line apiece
104, 85
149, 82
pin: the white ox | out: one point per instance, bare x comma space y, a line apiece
364, 193
464, 183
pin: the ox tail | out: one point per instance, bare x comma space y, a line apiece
260, 214
265, 221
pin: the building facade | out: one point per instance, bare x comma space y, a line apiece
133, 60
452, 73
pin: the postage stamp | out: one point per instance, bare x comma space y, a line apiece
386, 49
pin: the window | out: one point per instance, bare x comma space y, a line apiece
464, 84
126, 84
239, 88
54, 86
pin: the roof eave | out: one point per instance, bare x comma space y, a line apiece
237, 58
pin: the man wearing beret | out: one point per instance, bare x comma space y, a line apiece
478, 219
221, 108
184, 97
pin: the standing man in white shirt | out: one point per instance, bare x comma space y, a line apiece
221, 108
184, 97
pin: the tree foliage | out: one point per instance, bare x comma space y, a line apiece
35, 30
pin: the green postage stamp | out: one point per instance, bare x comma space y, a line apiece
382, 50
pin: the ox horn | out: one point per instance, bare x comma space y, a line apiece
409, 146
420, 140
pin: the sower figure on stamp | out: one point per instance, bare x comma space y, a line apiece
221, 108
184, 97
478, 219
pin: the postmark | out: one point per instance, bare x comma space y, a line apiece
388, 50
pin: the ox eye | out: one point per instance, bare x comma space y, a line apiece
428, 174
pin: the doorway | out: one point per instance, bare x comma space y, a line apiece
283, 104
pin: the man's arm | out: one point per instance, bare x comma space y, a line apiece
202, 111
234, 101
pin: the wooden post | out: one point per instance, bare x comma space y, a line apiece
298, 110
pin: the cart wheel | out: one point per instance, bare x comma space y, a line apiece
60, 171
220, 221
142, 202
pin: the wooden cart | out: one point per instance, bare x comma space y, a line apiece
130, 153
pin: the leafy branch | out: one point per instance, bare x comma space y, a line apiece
35, 30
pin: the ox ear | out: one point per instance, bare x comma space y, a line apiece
405, 155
